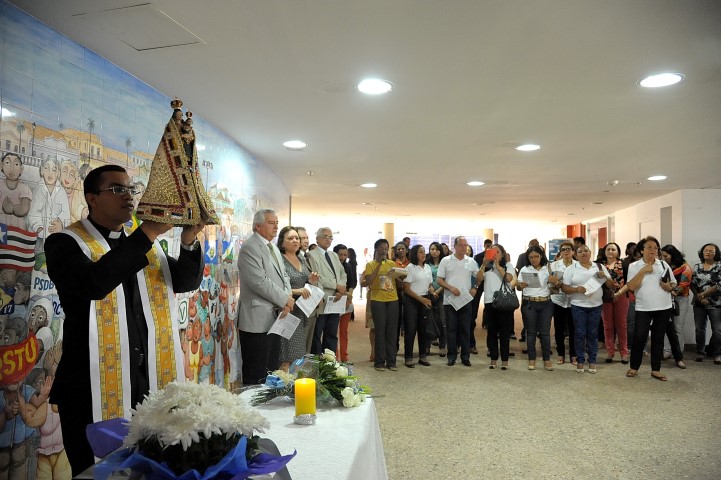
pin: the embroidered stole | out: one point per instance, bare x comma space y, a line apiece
109, 356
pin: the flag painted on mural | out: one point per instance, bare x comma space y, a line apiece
17, 248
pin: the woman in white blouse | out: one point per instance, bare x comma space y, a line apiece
652, 280
494, 269
582, 282
417, 289
537, 306
562, 317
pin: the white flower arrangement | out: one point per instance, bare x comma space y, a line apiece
182, 411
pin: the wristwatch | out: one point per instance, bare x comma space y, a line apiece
192, 247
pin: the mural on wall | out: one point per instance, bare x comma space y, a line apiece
65, 111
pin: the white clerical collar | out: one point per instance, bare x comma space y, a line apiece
115, 235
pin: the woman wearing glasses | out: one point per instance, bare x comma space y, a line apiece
652, 281
562, 317
582, 282
707, 300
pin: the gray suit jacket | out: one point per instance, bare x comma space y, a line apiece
328, 279
263, 287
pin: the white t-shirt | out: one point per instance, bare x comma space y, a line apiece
650, 296
576, 276
420, 278
560, 298
543, 275
492, 281
457, 273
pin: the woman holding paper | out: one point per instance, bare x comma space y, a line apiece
417, 288
615, 311
562, 316
533, 282
351, 283
494, 270
289, 245
652, 280
379, 277
582, 282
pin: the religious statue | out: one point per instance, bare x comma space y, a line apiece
175, 193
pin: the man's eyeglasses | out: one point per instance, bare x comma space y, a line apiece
327, 237
118, 190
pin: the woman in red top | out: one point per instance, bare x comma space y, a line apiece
682, 272
614, 312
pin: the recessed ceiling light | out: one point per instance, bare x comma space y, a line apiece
528, 147
661, 80
375, 86
656, 178
475, 183
368, 203
369, 185
295, 144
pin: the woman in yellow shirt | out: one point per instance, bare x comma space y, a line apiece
380, 278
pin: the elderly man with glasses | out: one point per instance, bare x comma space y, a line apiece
333, 282
120, 337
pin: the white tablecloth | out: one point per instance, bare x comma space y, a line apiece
344, 443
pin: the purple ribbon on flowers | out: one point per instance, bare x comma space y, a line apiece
231, 467
106, 436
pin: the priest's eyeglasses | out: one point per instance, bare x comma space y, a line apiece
118, 190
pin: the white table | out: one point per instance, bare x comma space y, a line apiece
344, 443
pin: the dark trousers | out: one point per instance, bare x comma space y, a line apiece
563, 325
73, 420
439, 316
415, 318
260, 353
458, 325
657, 321
326, 333
500, 327
385, 318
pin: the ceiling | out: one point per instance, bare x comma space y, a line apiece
473, 79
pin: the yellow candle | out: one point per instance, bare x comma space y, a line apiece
304, 396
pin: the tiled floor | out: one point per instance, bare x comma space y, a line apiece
459, 422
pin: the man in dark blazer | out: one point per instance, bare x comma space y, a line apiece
332, 281
120, 337
264, 294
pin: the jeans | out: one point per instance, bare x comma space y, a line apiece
538, 323
458, 322
714, 315
325, 334
385, 319
563, 325
657, 321
500, 327
586, 320
415, 319
684, 305
614, 325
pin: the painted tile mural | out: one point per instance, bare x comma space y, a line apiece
66, 110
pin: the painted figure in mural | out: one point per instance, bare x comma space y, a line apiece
98, 266
15, 196
52, 461
49, 210
24, 410
175, 192
193, 351
73, 189
207, 344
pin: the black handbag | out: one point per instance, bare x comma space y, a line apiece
432, 332
505, 299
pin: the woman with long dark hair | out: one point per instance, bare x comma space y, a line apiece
707, 301
351, 283
537, 306
674, 343
495, 270
433, 260
417, 287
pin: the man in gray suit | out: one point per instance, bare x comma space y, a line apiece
264, 293
333, 281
